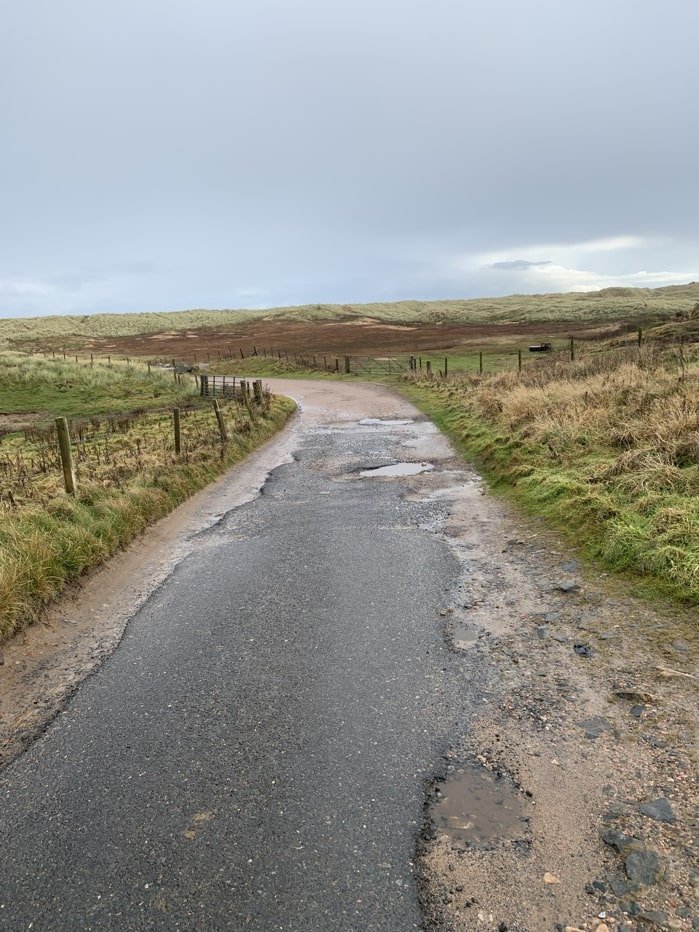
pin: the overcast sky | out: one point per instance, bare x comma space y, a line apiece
167, 154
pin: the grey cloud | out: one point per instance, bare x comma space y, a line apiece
517, 265
336, 151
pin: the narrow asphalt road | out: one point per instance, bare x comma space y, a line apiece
254, 753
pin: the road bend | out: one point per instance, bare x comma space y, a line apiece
254, 753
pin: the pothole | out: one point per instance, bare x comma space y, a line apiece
464, 637
476, 808
384, 422
397, 469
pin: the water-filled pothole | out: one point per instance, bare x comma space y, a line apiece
464, 637
474, 807
397, 469
384, 422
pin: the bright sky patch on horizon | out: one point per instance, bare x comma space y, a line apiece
170, 154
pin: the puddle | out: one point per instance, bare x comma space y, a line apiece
384, 422
464, 638
397, 469
475, 808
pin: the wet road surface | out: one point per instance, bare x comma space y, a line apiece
255, 752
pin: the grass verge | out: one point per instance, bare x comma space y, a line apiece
48, 538
605, 450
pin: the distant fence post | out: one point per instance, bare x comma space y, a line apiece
640, 336
219, 418
519, 360
66, 455
178, 435
446, 367
480, 362
429, 367
572, 349
347, 365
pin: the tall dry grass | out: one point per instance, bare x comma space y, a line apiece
606, 446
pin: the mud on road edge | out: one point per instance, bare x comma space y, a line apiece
588, 705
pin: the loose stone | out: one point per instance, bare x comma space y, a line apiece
644, 866
658, 809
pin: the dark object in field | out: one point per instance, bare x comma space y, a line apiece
540, 348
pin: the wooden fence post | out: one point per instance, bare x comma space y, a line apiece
519, 360
640, 336
480, 362
347, 365
572, 349
219, 418
429, 367
446, 369
178, 434
246, 399
257, 390
63, 435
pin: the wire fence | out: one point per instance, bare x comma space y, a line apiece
111, 450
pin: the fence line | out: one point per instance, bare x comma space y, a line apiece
441, 363
82, 445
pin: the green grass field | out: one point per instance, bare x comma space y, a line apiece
47, 388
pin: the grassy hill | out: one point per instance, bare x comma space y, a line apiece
637, 304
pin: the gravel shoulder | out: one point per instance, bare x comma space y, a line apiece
590, 711
578, 699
